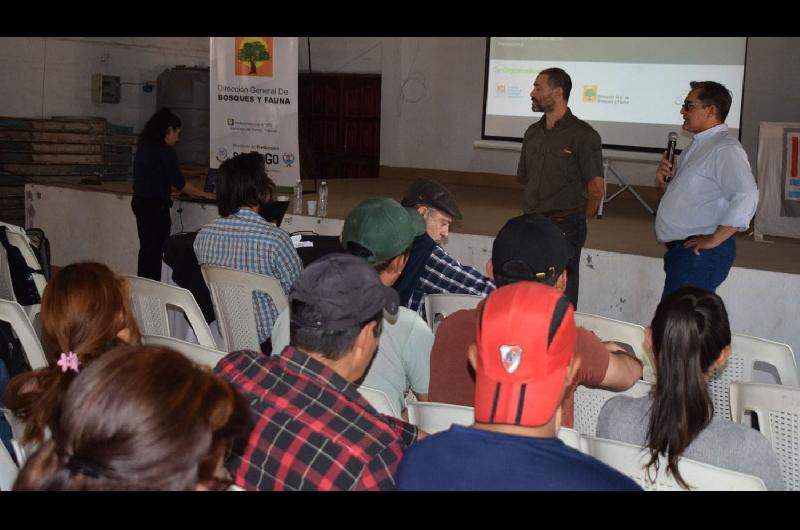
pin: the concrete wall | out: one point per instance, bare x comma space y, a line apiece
86, 225
432, 88
52, 76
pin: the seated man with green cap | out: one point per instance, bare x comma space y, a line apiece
382, 231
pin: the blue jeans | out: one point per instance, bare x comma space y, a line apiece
708, 270
574, 229
5, 428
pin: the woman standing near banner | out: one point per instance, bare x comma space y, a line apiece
155, 172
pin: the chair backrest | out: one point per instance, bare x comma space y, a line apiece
436, 417
747, 351
14, 314
622, 332
589, 401
439, 306
6, 287
630, 460
778, 410
150, 299
196, 352
232, 293
570, 437
8, 469
379, 400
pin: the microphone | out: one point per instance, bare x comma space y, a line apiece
672, 139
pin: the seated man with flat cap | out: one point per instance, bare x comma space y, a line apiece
524, 361
313, 429
529, 247
381, 231
430, 270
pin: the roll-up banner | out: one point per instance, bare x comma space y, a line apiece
254, 103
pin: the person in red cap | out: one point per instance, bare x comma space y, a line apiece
524, 362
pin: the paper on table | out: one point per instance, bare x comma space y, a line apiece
296, 241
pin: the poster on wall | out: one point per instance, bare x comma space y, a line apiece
791, 161
253, 103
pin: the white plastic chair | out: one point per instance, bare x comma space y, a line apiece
630, 460
747, 351
8, 469
379, 400
589, 401
196, 352
6, 287
439, 306
150, 300
232, 294
18, 238
570, 437
14, 314
622, 332
436, 417
778, 411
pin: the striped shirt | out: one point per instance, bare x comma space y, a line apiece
312, 429
246, 241
443, 274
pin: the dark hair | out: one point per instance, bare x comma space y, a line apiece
331, 344
690, 329
156, 127
242, 181
139, 418
84, 306
714, 93
361, 251
558, 78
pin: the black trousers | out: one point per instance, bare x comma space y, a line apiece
574, 229
153, 224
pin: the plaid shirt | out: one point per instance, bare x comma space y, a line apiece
443, 274
246, 241
313, 430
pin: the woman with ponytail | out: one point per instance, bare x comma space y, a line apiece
690, 338
86, 311
139, 418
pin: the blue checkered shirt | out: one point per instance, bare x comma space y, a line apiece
246, 241
443, 274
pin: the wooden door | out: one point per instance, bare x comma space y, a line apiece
339, 117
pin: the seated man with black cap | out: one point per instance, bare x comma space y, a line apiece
524, 361
313, 430
430, 270
528, 247
381, 231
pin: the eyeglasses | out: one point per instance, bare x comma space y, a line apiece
688, 105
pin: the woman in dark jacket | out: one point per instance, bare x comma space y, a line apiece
155, 172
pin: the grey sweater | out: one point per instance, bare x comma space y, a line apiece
723, 443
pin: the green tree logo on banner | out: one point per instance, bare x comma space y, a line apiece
253, 52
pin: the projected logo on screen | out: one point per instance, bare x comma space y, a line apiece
500, 91
590, 93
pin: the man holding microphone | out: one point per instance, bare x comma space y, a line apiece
710, 196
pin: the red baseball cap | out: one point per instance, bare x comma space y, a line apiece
526, 340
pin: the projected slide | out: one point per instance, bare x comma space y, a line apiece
629, 89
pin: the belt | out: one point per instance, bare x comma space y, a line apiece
560, 215
672, 244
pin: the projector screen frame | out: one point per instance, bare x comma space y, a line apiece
606, 147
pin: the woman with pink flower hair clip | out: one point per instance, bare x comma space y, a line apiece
86, 311
140, 418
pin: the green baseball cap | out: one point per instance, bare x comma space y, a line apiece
382, 226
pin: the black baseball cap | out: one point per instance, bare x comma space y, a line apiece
529, 247
428, 192
346, 290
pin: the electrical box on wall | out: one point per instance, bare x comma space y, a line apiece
105, 88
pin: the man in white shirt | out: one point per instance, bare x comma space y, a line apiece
710, 197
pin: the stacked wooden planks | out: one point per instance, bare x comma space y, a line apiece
60, 149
